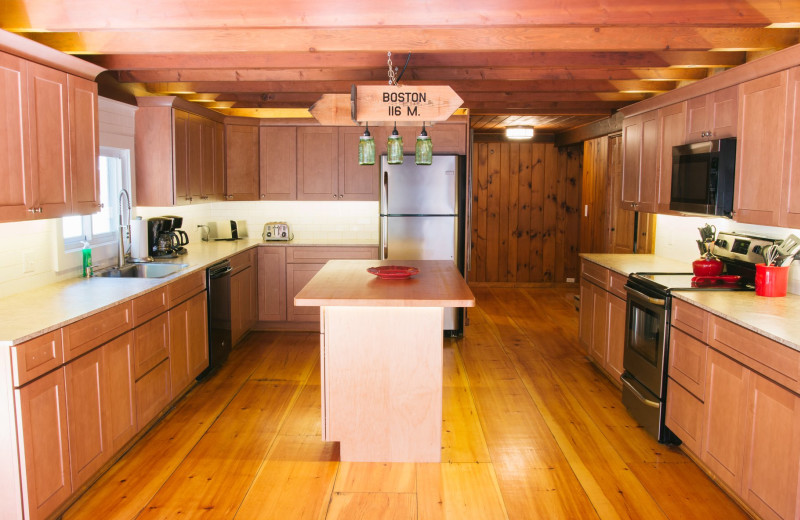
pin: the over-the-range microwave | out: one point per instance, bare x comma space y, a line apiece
702, 177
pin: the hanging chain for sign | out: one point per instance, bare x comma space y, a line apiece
392, 70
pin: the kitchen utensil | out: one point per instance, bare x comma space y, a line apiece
788, 249
393, 272
702, 247
770, 254
707, 233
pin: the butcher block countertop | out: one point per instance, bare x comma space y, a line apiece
347, 283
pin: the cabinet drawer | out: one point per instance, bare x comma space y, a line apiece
687, 362
684, 416
690, 319
316, 254
36, 357
242, 261
152, 393
149, 306
184, 288
150, 345
771, 359
595, 273
616, 285
82, 336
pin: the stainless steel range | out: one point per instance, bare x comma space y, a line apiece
647, 324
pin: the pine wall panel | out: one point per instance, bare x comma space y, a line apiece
525, 219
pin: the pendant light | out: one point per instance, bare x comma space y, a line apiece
394, 147
424, 149
366, 148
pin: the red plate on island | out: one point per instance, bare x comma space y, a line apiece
393, 272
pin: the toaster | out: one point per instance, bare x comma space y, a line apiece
227, 230
277, 231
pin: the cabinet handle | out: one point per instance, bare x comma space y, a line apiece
334, 195
263, 196
31, 210
203, 198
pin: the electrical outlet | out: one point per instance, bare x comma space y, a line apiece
28, 264
570, 280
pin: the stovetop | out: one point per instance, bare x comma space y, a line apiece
667, 282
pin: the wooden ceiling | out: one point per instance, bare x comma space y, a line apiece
555, 64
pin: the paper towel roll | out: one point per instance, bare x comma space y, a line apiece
139, 239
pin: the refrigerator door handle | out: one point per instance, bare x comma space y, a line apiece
385, 237
385, 194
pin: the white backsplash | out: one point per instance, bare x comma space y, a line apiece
676, 238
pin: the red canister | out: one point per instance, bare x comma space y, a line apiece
771, 280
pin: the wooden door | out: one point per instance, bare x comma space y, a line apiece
723, 113
120, 381
88, 409
586, 315
16, 197
49, 137
724, 418
84, 146
760, 160
252, 284
697, 119
615, 334
219, 161
194, 155
44, 443
238, 292
317, 163
621, 230
208, 183
297, 276
278, 156
648, 164
152, 393
631, 160
241, 172
672, 127
179, 325
180, 156
599, 342
272, 283
151, 344
790, 198
197, 342
356, 182
448, 138
772, 452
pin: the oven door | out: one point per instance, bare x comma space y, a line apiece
646, 335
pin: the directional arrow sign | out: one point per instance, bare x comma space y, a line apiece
404, 103
333, 110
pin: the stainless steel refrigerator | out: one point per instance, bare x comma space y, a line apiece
422, 217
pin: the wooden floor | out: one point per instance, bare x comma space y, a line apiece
530, 430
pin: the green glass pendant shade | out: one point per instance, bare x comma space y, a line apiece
366, 149
424, 149
394, 148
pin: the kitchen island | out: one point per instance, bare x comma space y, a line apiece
381, 357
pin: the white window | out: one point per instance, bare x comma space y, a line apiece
101, 227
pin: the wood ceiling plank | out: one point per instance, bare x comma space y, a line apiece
311, 97
99, 14
497, 38
576, 108
305, 60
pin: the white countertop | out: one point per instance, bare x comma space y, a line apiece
32, 313
775, 318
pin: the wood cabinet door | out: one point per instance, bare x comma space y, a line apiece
724, 418
615, 330
684, 416
772, 453
16, 196
672, 127
241, 158
648, 164
44, 443
188, 353
272, 283
120, 381
194, 157
219, 160
356, 182
88, 408
586, 315
49, 136
317, 163
278, 168
760, 150
631, 160
243, 301
697, 119
208, 183
197, 352
297, 276
180, 156
84, 141
790, 197
724, 112
448, 138
151, 344
599, 343
152, 393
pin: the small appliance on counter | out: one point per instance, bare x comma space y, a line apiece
183, 237
162, 240
277, 231
227, 230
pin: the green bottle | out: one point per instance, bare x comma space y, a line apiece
87, 259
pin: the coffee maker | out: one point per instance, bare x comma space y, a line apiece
161, 241
181, 237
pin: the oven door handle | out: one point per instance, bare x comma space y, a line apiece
654, 301
631, 386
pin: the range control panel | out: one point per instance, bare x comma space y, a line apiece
742, 247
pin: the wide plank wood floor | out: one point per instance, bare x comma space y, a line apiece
530, 429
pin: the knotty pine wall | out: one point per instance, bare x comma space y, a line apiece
525, 220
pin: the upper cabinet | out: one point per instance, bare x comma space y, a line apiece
49, 142
278, 156
790, 194
671, 129
356, 182
712, 116
640, 162
241, 159
317, 163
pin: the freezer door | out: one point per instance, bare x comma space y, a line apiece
418, 238
408, 189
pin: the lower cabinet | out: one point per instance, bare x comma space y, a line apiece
297, 276
244, 294
121, 383
188, 350
272, 283
43, 444
153, 393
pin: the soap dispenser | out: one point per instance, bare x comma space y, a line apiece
87, 259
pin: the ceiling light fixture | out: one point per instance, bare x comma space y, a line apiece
394, 147
424, 148
366, 148
519, 132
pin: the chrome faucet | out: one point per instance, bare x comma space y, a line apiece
124, 229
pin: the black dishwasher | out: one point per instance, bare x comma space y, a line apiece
218, 281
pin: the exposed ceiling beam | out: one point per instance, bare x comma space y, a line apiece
311, 97
406, 39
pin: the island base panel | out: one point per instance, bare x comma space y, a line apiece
382, 382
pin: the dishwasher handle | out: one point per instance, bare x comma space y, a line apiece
219, 270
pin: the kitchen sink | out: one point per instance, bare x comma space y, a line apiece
144, 270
